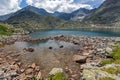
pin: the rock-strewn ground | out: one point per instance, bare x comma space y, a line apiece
84, 63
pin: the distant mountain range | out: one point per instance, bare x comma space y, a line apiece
76, 15
31, 18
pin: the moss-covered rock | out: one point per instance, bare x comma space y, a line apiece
101, 73
57, 76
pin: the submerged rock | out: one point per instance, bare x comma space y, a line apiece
61, 46
50, 47
29, 49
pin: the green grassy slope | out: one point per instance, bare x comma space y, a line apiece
6, 29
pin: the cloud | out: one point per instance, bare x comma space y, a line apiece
8, 6
58, 5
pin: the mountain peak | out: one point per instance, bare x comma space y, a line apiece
36, 10
29, 7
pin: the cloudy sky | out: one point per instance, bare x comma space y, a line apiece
8, 6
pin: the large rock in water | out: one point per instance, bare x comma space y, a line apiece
79, 58
55, 70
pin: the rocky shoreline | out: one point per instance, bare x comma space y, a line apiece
87, 58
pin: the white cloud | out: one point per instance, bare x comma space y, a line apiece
58, 5
8, 6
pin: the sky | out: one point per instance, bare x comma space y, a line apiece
9, 6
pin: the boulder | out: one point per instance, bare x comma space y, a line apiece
92, 72
37, 68
1, 73
39, 75
28, 71
99, 49
33, 65
96, 74
55, 70
108, 50
29, 49
14, 67
79, 58
75, 76
85, 53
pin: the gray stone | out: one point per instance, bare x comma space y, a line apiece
1, 73
55, 70
108, 50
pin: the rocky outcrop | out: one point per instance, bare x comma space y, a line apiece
95, 73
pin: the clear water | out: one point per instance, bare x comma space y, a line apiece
88, 32
110, 32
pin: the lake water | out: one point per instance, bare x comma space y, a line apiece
88, 32
54, 32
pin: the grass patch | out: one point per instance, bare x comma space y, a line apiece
117, 42
107, 78
110, 70
106, 61
58, 76
117, 61
115, 55
5, 29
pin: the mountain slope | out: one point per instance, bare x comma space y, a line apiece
35, 10
62, 15
5, 17
75, 15
80, 14
31, 20
107, 13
